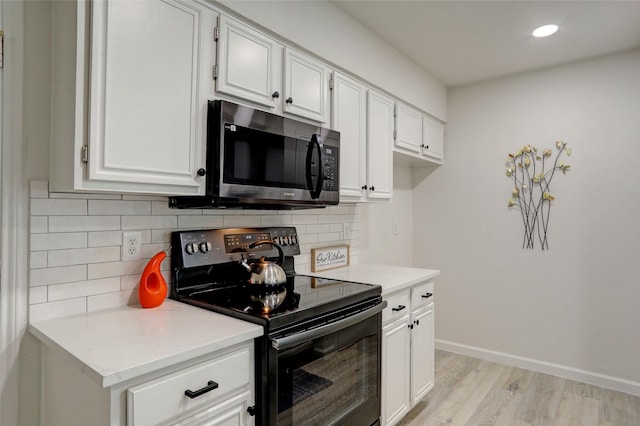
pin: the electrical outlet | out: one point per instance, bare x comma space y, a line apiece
394, 229
346, 231
131, 246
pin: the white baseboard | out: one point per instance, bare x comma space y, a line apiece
609, 382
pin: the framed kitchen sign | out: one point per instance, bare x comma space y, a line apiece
329, 258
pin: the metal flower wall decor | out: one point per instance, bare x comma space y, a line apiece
532, 172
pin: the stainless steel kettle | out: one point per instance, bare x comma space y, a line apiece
265, 272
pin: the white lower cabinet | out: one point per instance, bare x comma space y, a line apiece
407, 350
217, 389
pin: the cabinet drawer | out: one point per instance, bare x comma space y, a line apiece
422, 295
398, 305
159, 400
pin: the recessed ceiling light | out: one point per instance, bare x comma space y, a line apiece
545, 30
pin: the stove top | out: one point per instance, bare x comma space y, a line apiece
207, 272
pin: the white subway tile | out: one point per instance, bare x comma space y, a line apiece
37, 259
305, 219
195, 222
331, 236
316, 229
307, 238
161, 236
220, 212
149, 222
62, 308
115, 269
241, 221
104, 238
38, 295
329, 218
84, 196
83, 256
119, 207
61, 207
111, 300
39, 189
83, 288
39, 224
129, 282
253, 212
58, 241
63, 274
336, 227
83, 223
276, 220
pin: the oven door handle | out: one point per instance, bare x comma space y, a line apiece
296, 339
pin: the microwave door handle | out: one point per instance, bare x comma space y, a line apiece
315, 192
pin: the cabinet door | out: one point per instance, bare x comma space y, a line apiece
144, 109
395, 371
408, 128
249, 64
433, 138
233, 412
379, 147
422, 353
306, 84
350, 119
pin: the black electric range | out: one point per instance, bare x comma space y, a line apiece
321, 329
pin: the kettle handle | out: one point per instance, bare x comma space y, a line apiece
277, 246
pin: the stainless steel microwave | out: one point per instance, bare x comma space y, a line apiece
260, 160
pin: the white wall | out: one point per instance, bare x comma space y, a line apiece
574, 306
327, 31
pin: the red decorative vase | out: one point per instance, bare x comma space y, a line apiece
153, 288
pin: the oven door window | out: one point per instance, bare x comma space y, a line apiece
333, 379
257, 158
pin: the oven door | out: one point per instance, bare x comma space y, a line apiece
329, 375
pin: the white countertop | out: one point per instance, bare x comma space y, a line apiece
390, 278
116, 345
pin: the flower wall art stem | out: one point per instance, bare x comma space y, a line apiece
532, 172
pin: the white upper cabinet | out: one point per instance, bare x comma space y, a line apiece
139, 117
256, 68
408, 128
249, 64
433, 138
349, 117
380, 129
306, 84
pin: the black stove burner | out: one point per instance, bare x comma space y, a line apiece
306, 297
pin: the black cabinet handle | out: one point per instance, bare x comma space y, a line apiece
364, 187
373, 188
275, 95
398, 308
252, 410
410, 326
211, 385
289, 100
201, 172
426, 296
417, 322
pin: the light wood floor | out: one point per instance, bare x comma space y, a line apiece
470, 391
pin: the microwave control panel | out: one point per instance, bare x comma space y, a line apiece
330, 168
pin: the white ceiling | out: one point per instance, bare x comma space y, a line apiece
460, 42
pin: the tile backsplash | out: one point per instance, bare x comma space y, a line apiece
75, 243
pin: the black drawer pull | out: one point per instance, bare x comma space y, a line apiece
211, 385
426, 296
399, 308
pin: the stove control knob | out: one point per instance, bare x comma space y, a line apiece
191, 248
205, 246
